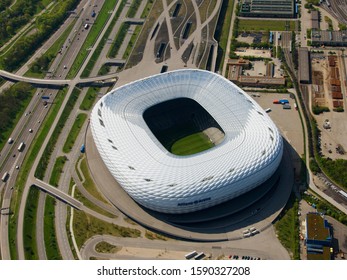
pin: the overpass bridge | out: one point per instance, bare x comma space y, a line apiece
112, 77
17, 78
57, 193
115, 61
137, 21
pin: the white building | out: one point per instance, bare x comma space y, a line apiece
249, 154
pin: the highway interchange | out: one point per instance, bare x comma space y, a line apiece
36, 113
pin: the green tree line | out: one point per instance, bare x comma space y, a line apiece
45, 25
11, 102
13, 19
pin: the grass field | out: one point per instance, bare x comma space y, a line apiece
85, 226
287, 227
30, 247
264, 25
192, 144
89, 99
74, 132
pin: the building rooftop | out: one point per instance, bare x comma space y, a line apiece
268, 7
324, 255
327, 37
304, 65
315, 15
317, 228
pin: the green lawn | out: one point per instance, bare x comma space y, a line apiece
287, 227
192, 144
85, 226
264, 25
89, 182
29, 235
74, 132
57, 170
89, 99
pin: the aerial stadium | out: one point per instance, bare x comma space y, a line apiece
185, 140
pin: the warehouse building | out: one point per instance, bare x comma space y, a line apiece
268, 8
329, 38
304, 66
315, 19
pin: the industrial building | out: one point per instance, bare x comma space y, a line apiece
304, 66
268, 8
329, 38
236, 66
315, 19
318, 237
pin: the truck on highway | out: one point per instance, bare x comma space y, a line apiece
21, 146
5, 176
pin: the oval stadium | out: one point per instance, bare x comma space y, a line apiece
185, 140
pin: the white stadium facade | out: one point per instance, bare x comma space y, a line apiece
246, 156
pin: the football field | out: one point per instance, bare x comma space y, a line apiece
191, 144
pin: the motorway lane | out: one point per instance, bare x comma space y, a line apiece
61, 212
4, 219
75, 41
47, 44
34, 102
64, 58
31, 178
19, 133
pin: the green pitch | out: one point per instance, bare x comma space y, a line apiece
192, 144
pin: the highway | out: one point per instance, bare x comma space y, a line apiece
36, 117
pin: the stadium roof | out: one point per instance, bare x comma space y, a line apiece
249, 154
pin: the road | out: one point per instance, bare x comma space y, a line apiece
173, 249
60, 212
227, 50
32, 119
48, 43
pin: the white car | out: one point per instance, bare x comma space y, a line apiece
30, 130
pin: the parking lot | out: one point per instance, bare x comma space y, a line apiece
288, 121
253, 52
